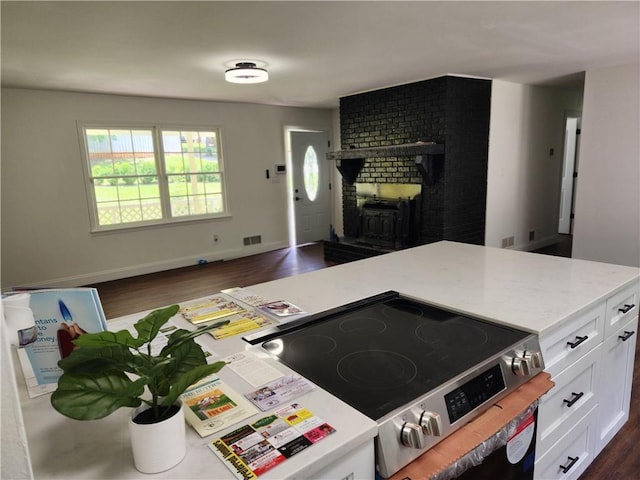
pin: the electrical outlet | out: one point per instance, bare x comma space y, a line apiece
215, 239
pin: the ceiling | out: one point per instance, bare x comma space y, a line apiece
316, 52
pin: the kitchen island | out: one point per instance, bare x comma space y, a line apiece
557, 298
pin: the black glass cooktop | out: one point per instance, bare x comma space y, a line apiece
385, 351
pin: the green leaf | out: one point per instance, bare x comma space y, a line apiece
90, 397
101, 359
107, 339
177, 338
149, 326
189, 378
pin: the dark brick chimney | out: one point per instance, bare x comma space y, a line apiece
453, 111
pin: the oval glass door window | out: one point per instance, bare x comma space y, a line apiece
310, 173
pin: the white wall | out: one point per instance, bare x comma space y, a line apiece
46, 237
523, 184
607, 222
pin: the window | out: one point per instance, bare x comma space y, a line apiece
141, 176
310, 173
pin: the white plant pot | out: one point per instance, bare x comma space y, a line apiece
158, 446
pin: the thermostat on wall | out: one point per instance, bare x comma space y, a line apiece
281, 168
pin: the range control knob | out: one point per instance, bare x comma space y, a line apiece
431, 424
411, 436
523, 364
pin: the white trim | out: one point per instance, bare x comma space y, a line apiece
153, 267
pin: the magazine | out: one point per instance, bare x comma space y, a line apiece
251, 450
279, 392
211, 405
211, 308
60, 315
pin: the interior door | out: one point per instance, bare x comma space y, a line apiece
311, 185
568, 167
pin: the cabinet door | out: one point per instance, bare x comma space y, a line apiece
571, 455
574, 394
616, 376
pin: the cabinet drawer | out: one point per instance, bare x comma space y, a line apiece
621, 308
573, 340
571, 455
574, 394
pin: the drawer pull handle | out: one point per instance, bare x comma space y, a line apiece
576, 397
578, 341
626, 336
572, 462
626, 308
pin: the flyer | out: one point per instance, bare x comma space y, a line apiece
279, 392
246, 296
211, 308
240, 323
251, 450
211, 406
281, 308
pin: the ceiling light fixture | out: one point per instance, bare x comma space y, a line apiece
246, 72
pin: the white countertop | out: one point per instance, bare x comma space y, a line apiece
527, 290
531, 291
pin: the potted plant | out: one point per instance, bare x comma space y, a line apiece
109, 370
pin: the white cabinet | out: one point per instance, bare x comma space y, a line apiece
590, 359
616, 374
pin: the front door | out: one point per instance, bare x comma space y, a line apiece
311, 185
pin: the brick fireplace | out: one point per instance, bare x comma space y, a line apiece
447, 181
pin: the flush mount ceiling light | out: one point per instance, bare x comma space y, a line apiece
246, 72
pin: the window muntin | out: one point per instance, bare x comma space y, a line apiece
132, 182
310, 171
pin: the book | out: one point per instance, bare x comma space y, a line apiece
212, 308
211, 405
251, 450
60, 315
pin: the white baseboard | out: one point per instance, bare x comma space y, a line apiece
541, 243
144, 268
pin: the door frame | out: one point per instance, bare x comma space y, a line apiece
291, 219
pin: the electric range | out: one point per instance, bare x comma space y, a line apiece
420, 371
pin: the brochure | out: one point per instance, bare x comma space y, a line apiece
281, 309
246, 296
61, 315
211, 405
279, 392
252, 369
240, 323
211, 308
251, 450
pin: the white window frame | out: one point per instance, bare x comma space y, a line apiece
163, 176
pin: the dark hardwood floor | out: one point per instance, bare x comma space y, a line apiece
618, 461
144, 292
